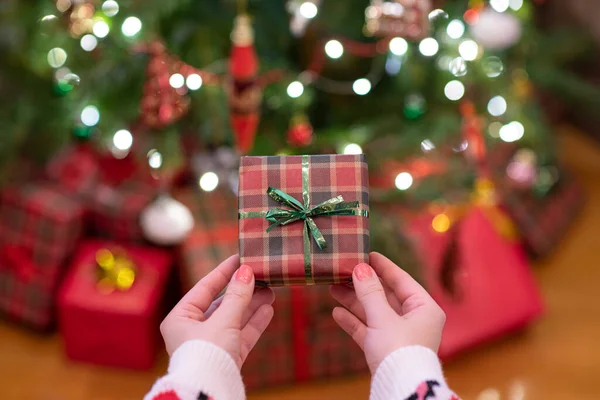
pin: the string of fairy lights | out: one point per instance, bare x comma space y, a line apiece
91, 26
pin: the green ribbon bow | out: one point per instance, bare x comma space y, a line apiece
334, 206
304, 212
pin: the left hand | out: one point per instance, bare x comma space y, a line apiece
234, 322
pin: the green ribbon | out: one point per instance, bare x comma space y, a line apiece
304, 212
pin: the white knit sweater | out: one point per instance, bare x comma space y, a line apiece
200, 370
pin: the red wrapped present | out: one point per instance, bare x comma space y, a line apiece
115, 211
75, 169
543, 200
109, 309
481, 279
303, 219
39, 228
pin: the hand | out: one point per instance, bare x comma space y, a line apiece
382, 318
234, 322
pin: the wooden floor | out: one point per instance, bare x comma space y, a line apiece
556, 358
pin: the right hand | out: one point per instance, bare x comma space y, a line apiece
385, 315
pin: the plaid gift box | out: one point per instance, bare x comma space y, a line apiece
39, 228
215, 233
302, 342
75, 169
542, 220
115, 211
303, 219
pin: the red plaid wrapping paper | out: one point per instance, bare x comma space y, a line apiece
75, 169
302, 342
541, 221
115, 211
42, 226
277, 257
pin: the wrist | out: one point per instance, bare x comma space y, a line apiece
204, 366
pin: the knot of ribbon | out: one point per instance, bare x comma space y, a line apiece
299, 211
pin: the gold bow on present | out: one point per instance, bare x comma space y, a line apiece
484, 197
115, 270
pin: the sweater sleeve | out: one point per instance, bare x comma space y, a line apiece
199, 370
410, 373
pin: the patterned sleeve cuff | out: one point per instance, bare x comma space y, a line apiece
412, 372
198, 368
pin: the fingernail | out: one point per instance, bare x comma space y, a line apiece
244, 274
363, 271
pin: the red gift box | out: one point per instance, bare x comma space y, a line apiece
480, 279
284, 250
39, 227
119, 328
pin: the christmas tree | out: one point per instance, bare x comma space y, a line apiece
414, 85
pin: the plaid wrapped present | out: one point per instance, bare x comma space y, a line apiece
541, 218
302, 342
39, 228
115, 211
303, 219
75, 169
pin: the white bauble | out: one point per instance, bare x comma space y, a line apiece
166, 221
496, 30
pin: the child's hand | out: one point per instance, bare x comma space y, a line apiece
384, 318
234, 322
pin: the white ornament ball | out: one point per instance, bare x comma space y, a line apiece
496, 30
166, 221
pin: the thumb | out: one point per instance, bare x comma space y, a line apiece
237, 298
371, 295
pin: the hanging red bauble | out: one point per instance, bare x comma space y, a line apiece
243, 88
300, 132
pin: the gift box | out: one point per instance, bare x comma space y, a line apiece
480, 278
214, 236
301, 343
39, 227
75, 169
113, 325
303, 219
543, 201
115, 211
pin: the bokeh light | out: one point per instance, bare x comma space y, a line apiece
110, 8
455, 29
512, 131
176, 81
468, 50
497, 106
208, 181
57, 57
429, 47
440, 223
361, 86
101, 28
193, 81
334, 49
90, 116
89, 42
131, 26
499, 5
295, 89
352, 148
398, 46
122, 140
454, 90
308, 10
403, 181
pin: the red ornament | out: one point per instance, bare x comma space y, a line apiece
243, 88
300, 133
161, 103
